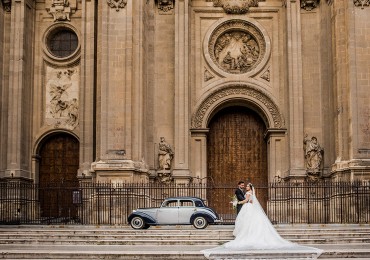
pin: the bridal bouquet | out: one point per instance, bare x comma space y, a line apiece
234, 201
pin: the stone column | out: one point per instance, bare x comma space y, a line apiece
87, 87
181, 159
20, 89
295, 92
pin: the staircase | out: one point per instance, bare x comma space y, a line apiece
176, 242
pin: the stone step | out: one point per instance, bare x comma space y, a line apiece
165, 241
181, 252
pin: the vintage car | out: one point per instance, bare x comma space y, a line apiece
175, 211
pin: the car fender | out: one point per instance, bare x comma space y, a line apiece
206, 215
148, 219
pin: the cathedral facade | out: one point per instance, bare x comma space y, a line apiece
184, 90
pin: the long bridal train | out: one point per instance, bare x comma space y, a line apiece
254, 232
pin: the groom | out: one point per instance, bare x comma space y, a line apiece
239, 193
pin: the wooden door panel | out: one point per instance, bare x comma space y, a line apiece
58, 174
236, 150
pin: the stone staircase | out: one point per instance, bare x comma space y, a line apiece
175, 242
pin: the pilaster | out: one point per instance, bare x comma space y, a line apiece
181, 159
87, 85
20, 89
118, 102
295, 92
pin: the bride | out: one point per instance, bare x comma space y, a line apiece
254, 231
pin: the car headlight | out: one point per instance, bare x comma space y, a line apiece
134, 211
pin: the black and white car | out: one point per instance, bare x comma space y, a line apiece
175, 211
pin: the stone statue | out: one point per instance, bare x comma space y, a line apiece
165, 155
313, 154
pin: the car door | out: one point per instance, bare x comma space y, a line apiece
168, 213
186, 209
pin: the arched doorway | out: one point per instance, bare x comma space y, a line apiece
236, 150
58, 165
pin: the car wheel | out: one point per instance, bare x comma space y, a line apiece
200, 222
137, 223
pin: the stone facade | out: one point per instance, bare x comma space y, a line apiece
143, 70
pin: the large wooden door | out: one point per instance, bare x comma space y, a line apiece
58, 175
236, 150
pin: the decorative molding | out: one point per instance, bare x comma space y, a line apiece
61, 9
207, 75
236, 6
241, 90
361, 3
7, 5
266, 75
166, 6
329, 2
309, 5
117, 4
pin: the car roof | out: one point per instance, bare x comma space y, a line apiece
183, 198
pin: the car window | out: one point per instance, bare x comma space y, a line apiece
198, 203
186, 203
170, 203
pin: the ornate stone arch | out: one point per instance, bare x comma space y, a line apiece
237, 93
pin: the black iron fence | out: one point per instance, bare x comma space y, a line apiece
110, 204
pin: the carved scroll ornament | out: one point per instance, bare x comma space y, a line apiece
7, 5
235, 6
117, 4
165, 6
361, 3
309, 5
61, 9
239, 90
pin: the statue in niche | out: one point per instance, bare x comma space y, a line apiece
165, 155
313, 154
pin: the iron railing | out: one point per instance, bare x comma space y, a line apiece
110, 204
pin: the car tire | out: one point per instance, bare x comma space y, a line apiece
200, 222
138, 223
146, 226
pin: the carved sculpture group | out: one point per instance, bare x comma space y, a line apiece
236, 51
61, 106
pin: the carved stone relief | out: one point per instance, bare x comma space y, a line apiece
165, 6
361, 3
61, 9
237, 46
266, 75
309, 5
239, 90
235, 6
117, 4
7, 5
62, 103
207, 75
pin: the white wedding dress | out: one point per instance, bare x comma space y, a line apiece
254, 231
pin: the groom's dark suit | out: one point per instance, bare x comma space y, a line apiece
240, 196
